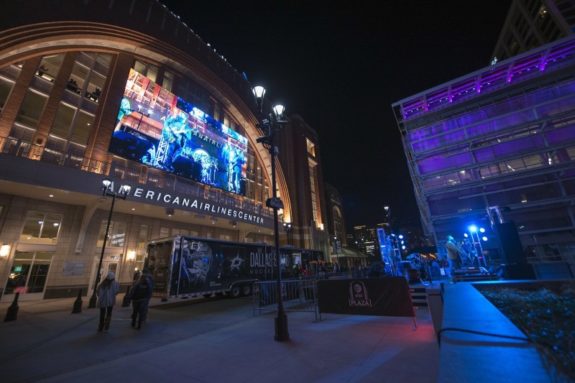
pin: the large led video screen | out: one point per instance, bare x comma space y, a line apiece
159, 129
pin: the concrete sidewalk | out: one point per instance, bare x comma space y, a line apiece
212, 341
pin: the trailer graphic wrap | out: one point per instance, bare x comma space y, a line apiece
205, 266
188, 265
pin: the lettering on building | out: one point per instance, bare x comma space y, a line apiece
194, 204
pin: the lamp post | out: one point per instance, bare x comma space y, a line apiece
107, 191
288, 228
272, 122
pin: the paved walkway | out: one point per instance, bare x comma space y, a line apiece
212, 341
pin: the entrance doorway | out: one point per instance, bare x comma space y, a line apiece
28, 274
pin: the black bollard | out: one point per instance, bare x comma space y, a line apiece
126, 300
12, 311
78, 303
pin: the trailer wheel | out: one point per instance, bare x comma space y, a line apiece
235, 291
247, 290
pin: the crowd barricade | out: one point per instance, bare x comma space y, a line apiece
297, 295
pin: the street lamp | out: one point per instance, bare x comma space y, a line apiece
107, 191
273, 122
288, 228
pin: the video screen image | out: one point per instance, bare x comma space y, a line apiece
159, 129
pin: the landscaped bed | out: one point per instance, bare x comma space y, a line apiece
545, 312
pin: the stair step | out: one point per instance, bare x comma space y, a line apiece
478, 277
418, 296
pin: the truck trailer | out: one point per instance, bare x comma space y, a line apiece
184, 266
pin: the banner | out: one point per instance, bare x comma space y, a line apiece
387, 296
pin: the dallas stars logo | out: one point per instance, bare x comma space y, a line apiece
236, 263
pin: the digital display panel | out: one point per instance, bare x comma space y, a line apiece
159, 129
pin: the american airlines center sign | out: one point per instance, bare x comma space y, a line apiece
182, 201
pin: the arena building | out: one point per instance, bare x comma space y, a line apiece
125, 91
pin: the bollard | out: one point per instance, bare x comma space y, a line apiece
126, 300
12, 311
78, 303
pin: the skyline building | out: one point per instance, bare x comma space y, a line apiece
336, 219
532, 23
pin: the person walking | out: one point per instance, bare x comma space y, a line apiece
453, 256
141, 294
107, 291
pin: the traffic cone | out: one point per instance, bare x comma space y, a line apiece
78, 303
12, 311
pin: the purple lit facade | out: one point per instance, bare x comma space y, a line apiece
501, 138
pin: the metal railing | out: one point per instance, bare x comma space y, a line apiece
297, 295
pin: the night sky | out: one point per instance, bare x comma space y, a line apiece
341, 65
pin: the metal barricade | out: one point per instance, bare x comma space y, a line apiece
297, 295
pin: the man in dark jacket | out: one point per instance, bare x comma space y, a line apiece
141, 292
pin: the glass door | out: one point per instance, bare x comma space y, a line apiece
28, 273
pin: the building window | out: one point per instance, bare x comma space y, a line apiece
29, 272
141, 246
73, 125
168, 81
164, 232
49, 67
116, 234
148, 70
31, 109
82, 128
5, 89
89, 75
94, 88
77, 78
63, 120
143, 238
41, 228
142, 241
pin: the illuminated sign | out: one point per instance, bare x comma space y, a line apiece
196, 204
